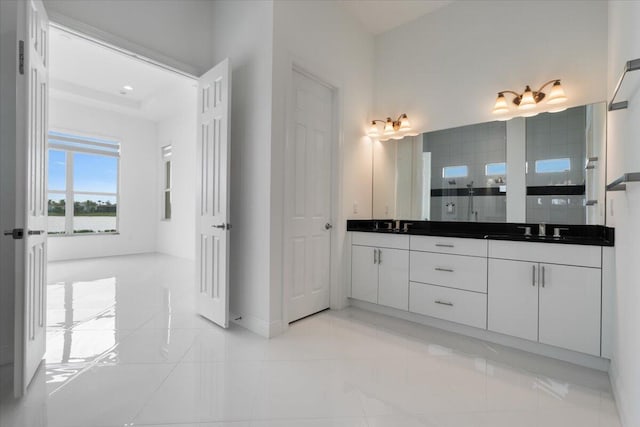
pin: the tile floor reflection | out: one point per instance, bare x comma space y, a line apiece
124, 348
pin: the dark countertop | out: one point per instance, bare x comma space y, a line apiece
594, 235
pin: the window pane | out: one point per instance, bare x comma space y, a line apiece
94, 214
95, 173
553, 165
495, 169
167, 205
455, 171
57, 209
167, 174
57, 170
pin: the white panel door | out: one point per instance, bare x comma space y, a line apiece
31, 201
364, 273
307, 252
513, 298
393, 278
212, 222
570, 307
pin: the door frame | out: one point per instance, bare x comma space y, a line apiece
336, 294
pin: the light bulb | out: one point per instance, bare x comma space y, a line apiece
405, 125
388, 127
527, 102
557, 95
373, 131
501, 106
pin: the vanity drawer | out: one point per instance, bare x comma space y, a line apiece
453, 271
449, 245
380, 240
552, 253
454, 305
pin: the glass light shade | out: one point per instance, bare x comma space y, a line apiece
373, 131
504, 118
405, 125
557, 95
558, 109
530, 114
527, 102
398, 136
501, 105
388, 127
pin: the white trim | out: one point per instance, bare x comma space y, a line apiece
120, 45
581, 359
258, 326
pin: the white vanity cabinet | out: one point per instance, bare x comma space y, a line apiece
380, 269
547, 293
552, 303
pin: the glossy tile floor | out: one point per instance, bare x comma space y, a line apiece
125, 349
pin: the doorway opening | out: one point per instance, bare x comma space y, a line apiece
121, 155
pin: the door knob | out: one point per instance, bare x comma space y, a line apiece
328, 226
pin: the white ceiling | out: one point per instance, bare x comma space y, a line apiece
379, 16
91, 74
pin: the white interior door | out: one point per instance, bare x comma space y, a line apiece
31, 200
212, 222
307, 253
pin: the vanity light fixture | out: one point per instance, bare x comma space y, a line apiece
529, 99
393, 129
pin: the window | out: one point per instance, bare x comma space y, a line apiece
83, 184
166, 188
553, 165
455, 171
491, 169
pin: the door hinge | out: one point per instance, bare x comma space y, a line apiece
21, 56
16, 233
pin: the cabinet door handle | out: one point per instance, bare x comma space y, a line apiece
448, 270
444, 245
533, 276
375, 256
543, 278
450, 304
379, 256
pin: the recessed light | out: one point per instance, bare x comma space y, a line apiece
127, 88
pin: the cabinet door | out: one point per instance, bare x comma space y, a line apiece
513, 298
393, 280
570, 307
364, 274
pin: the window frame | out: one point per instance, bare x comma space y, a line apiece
69, 192
166, 154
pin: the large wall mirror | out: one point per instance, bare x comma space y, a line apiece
548, 168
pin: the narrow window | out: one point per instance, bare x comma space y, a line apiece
553, 165
166, 190
455, 171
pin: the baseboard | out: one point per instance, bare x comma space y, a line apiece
254, 324
620, 402
581, 359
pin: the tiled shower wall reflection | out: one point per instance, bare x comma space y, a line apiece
468, 167
556, 153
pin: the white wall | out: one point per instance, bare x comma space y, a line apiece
445, 69
624, 156
138, 167
321, 38
243, 32
177, 235
174, 32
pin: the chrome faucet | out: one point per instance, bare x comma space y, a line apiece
406, 225
557, 230
542, 229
